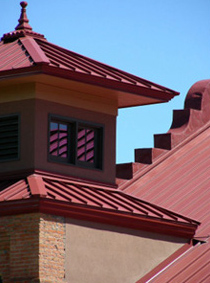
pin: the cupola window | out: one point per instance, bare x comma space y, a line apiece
75, 142
9, 137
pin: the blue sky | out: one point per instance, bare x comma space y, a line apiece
164, 41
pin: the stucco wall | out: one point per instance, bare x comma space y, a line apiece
103, 253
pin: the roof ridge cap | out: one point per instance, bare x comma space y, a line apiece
34, 50
36, 185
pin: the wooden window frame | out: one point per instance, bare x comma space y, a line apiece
72, 140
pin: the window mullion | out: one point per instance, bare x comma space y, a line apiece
95, 148
69, 154
58, 139
76, 126
85, 144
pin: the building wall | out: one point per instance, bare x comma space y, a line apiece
102, 253
34, 103
32, 248
19, 246
52, 249
43, 109
4, 255
46, 249
25, 109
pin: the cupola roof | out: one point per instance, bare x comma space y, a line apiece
24, 52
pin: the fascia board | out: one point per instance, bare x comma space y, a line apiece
43, 68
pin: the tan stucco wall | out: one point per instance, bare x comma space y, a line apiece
102, 253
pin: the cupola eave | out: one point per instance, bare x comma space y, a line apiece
126, 94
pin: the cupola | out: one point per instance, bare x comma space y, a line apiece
58, 108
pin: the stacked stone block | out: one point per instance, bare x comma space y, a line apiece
32, 248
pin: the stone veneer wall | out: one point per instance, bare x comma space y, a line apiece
4, 256
32, 248
20, 248
52, 249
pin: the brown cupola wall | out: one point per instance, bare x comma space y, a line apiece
34, 104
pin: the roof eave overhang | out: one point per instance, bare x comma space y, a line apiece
105, 216
128, 94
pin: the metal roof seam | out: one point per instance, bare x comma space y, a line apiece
46, 49
174, 182
169, 213
185, 267
97, 194
24, 61
204, 279
13, 193
67, 63
12, 187
85, 60
111, 197
168, 266
140, 173
55, 189
130, 202
85, 192
196, 272
11, 61
7, 53
195, 194
80, 196
76, 181
177, 176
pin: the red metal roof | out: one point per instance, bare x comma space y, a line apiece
22, 49
179, 179
89, 196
